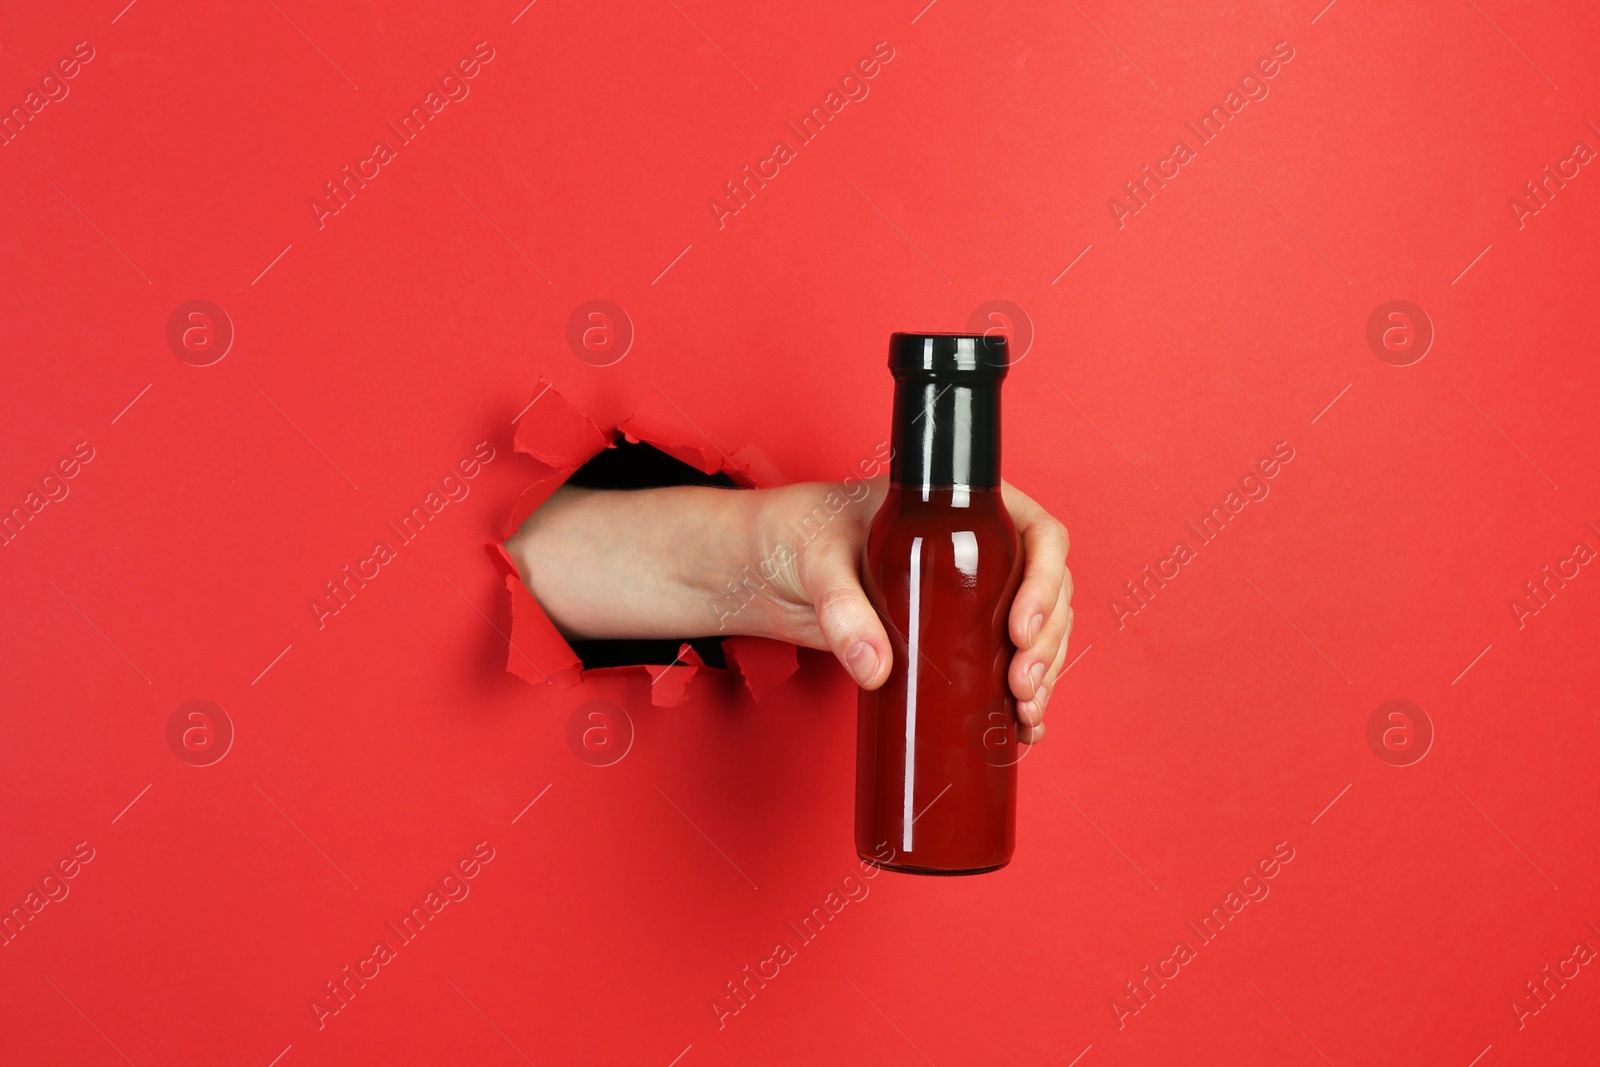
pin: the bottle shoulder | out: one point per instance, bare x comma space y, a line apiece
983, 529
943, 509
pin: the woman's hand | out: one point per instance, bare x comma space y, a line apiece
688, 562
816, 598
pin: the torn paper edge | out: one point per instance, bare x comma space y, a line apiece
669, 683
561, 438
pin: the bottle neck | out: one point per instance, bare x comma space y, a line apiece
946, 434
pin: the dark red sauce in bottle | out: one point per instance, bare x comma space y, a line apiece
936, 774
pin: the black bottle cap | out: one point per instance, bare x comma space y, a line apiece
946, 428
946, 355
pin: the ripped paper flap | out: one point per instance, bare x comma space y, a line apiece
562, 438
536, 652
763, 663
669, 684
703, 456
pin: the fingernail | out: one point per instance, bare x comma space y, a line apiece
1042, 697
862, 659
1034, 625
1036, 675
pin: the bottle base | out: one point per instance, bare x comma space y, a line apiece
912, 868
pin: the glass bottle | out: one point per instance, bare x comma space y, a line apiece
936, 775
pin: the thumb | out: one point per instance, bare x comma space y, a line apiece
849, 624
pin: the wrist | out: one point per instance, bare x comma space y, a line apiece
742, 576
707, 549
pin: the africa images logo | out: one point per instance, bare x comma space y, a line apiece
453, 87
853, 88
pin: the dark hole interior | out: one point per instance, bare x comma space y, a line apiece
639, 466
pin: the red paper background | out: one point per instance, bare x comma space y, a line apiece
373, 353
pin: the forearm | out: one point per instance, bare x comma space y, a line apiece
648, 563
781, 563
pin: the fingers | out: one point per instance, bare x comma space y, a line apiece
1031, 666
849, 625
1034, 669
1041, 613
1030, 729
1045, 544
